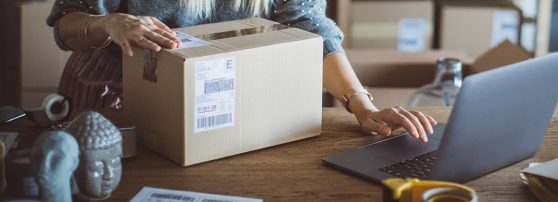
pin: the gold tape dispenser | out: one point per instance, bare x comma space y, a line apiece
415, 190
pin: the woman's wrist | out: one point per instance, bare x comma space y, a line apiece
97, 33
361, 103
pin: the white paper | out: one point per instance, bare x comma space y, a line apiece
504, 26
8, 138
149, 194
215, 96
189, 41
546, 169
412, 35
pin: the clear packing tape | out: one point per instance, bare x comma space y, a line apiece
542, 180
414, 190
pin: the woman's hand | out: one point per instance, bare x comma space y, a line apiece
384, 122
142, 31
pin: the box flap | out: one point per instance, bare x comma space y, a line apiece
238, 35
504, 54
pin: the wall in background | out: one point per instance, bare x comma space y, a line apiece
42, 61
30, 61
553, 46
9, 53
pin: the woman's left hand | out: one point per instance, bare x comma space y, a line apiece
385, 121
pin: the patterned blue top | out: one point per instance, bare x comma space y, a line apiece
308, 15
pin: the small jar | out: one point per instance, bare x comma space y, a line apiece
445, 87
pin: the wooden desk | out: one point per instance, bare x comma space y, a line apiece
294, 171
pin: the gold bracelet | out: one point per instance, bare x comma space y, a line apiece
351, 93
86, 23
80, 30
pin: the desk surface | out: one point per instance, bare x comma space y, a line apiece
294, 171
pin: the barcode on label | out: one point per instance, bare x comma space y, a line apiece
218, 86
212, 121
172, 197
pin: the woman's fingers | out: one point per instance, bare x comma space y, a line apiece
425, 121
143, 31
418, 125
126, 48
432, 120
146, 43
425, 124
373, 127
416, 122
159, 33
162, 26
160, 39
395, 117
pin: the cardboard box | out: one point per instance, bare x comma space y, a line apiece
503, 54
475, 26
392, 77
389, 68
240, 86
385, 97
404, 25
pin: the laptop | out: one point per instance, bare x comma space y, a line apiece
499, 118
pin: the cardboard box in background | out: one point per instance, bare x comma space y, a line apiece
404, 25
391, 76
252, 84
391, 97
475, 26
390, 68
503, 54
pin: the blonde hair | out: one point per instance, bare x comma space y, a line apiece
205, 8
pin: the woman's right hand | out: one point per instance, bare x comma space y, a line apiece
142, 31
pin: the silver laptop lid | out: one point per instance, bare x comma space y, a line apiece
500, 117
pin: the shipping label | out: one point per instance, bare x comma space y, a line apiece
412, 35
215, 95
505, 25
189, 41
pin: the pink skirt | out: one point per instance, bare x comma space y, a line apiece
93, 80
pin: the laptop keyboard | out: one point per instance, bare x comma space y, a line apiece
416, 167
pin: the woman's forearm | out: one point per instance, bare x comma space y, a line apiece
339, 77
83, 32
78, 34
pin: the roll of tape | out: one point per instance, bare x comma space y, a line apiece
448, 194
54, 109
415, 190
128, 133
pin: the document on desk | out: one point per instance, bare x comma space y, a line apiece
542, 180
150, 194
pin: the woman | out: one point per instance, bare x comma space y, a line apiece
100, 31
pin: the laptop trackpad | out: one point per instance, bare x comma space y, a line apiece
401, 147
